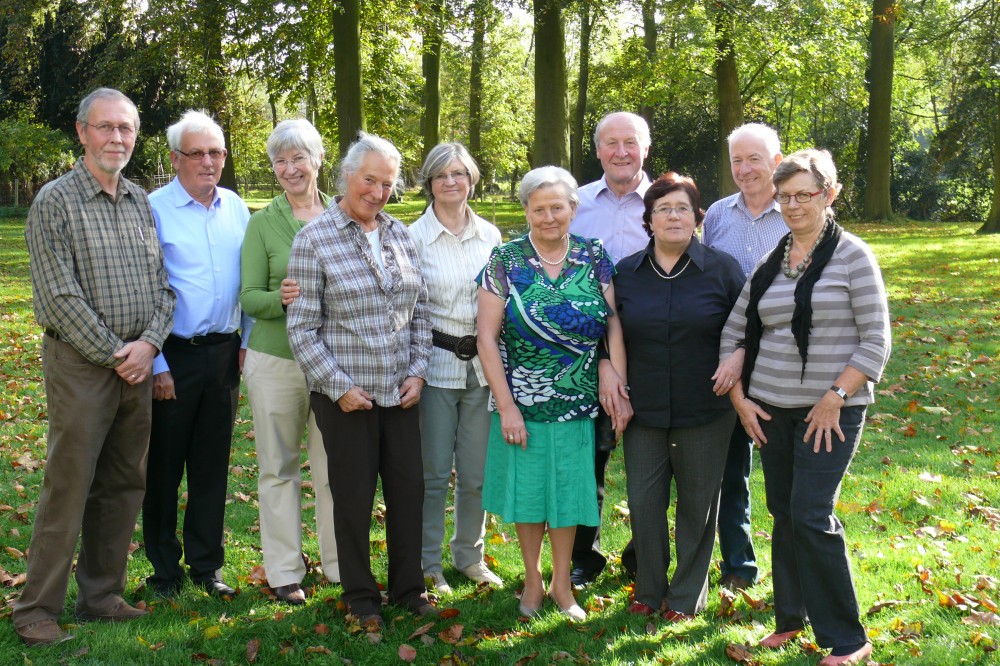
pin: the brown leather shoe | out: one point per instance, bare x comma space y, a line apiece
734, 582
291, 594
43, 632
120, 613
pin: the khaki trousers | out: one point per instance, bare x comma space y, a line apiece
279, 399
94, 481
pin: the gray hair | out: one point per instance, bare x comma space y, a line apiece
296, 134
772, 144
368, 143
193, 122
816, 162
83, 111
547, 176
438, 160
640, 124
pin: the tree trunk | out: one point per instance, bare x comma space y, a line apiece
347, 72
992, 225
479, 10
550, 85
432, 74
728, 89
647, 111
579, 136
878, 168
213, 14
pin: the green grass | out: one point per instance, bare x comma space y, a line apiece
921, 506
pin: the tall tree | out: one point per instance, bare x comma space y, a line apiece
578, 136
347, 71
647, 110
481, 19
433, 27
550, 85
727, 86
212, 17
878, 164
992, 224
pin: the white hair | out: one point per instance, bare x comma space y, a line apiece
296, 134
547, 176
193, 122
83, 112
772, 144
640, 124
368, 143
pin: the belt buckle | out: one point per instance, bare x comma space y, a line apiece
466, 348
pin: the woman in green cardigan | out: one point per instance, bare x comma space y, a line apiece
277, 388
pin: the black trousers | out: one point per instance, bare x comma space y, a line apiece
362, 446
195, 432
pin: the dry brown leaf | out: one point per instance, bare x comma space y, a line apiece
449, 613
882, 605
407, 652
321, 629
741, 654
14, 552
253, 647
420, 631
318, 649
452, 634
981, 619
525, 659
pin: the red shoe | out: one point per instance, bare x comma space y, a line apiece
675, 616
639, 608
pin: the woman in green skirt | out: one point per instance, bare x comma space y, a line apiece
545, 302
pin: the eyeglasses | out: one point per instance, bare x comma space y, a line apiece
107, 129
199, 155
296, 162
457, 176
667, 210
801, 197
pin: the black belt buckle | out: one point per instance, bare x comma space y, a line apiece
464, 347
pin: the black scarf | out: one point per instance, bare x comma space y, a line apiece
802, 316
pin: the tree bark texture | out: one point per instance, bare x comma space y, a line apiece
992, 224
347, 72
479, 10
550, 85
213, 16
727, 84
878, 167
578, 141
647, 110
432, 74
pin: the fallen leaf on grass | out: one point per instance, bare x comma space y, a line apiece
253, 647
936, 410
930, 478
8, 579
741, 654
449, 613
882, 605
407, 652
420, 631
213, 632
257, 576
14, 552
318, 649
321, 629
525, 659
82, 651
756, 604
152, 646
212, 661
452, 634
982, 619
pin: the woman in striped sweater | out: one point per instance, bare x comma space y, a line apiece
813, 322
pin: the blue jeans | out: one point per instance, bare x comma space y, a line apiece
735, 543
812, 575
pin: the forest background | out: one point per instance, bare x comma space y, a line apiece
905, 95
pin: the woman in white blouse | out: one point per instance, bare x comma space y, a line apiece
454, 244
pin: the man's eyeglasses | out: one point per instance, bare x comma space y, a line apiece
457, 176
801, 197
296, 162
107, 129
667, 210
199, 155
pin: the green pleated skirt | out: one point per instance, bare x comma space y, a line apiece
551, 481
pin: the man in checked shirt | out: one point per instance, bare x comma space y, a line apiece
102, 296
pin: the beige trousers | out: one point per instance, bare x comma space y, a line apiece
279, 399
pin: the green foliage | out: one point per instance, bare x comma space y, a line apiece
32, 152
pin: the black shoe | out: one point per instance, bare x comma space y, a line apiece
734, 582
581, 578
216, 588
166, 590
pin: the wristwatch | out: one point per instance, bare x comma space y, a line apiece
839, 391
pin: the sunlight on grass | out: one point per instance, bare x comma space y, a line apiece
921, 504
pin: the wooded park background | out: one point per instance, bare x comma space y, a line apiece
905, 94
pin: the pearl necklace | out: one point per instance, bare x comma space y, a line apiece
538, 254
668, 277
792, 273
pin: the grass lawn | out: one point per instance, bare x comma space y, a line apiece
921, 506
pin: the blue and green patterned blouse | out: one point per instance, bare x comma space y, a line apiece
550, 331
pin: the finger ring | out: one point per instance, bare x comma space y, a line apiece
732, 381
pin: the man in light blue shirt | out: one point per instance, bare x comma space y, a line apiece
197, 376
611, 209
746, 225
